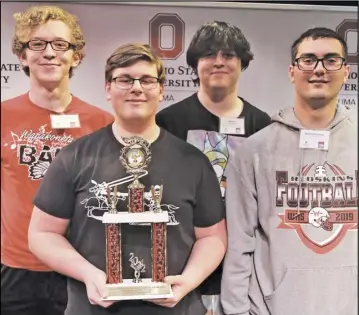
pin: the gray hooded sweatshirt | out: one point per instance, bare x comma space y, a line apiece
292, 218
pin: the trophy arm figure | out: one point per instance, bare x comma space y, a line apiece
138, 266
157, 197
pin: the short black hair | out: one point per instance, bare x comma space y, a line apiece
316, 33
215, 36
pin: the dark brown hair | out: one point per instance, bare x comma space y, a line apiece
128, 55
215, 36
316, 33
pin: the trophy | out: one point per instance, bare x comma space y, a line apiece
135, 157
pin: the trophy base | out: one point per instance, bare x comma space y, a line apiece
145, 290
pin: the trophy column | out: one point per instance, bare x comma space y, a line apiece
159, 246
135, 196
159, 241
113, 243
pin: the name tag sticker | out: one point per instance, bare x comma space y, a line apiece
231, 126
314, 139
65, 121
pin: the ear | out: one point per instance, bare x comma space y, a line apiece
161, 92
22, 59
291, 73
75, 60
346, 73
108, 90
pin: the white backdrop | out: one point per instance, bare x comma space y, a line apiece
270, 31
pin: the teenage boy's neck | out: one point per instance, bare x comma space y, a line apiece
221, 104
55, 97
147, 130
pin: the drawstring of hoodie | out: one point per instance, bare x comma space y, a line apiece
301, 173
300, 181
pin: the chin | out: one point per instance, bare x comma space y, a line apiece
136, 118
318, 102
219, 86
49, 78
319, 96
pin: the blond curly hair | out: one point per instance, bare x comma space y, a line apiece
26, 22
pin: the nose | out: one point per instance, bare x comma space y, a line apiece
136, 87
49, 52
218, 60
320, 67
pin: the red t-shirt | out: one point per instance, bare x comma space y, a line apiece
28, 146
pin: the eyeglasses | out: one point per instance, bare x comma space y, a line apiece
40, 45
126, 83
310, 63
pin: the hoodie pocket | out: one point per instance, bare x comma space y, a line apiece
320, 291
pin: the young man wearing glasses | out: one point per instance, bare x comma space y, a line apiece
34, 127
87, 174
292, 246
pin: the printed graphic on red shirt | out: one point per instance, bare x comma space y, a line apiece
35, 149
321, 205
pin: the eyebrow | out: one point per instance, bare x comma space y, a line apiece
128, 76
325, 56
224, 51
55, 38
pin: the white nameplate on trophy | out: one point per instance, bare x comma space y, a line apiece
137, 217
145, 290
